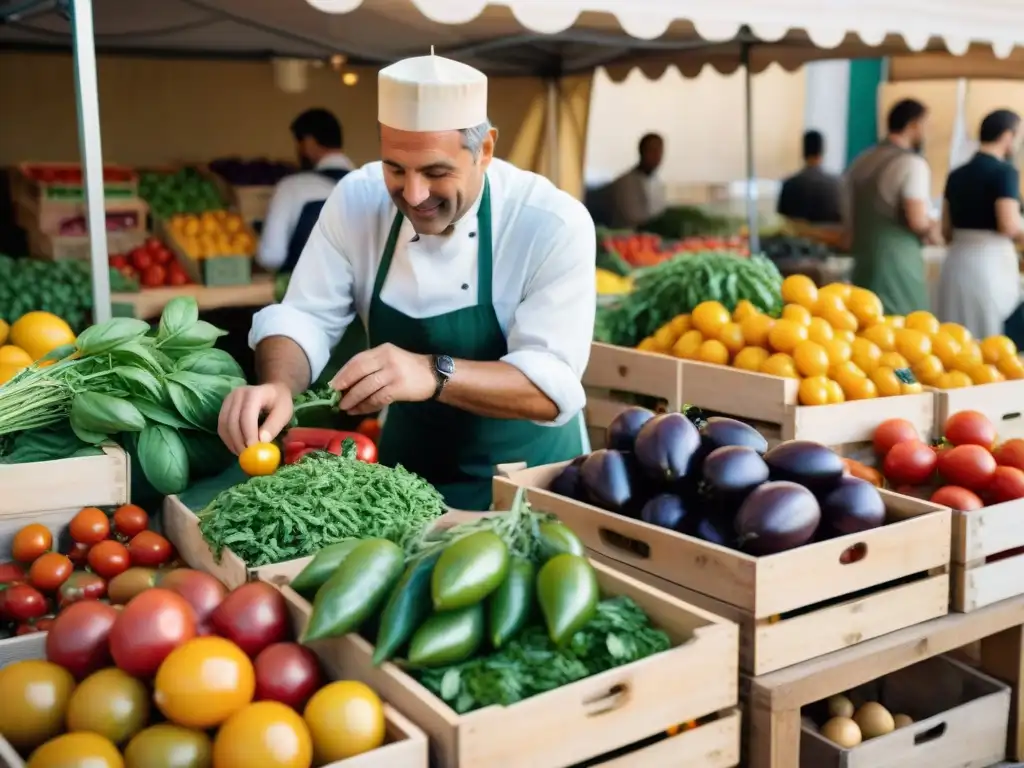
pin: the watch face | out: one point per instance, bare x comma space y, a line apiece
445, 365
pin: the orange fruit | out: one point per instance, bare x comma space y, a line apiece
839, 350
881, 335
820, 331
814, 390
780, 364
922, 321
744, 309
913, 345
811, 359
886, 382
713, 351
786, 334
750, 359
708, 317
756, 329
865, 354
797, 313
957, 331
799, 289
928, 369
688, 344
995, 348
731, 336
893, 360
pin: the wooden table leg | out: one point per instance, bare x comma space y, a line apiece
774, 735
1002, 656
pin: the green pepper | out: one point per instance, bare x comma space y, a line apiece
322, 566
568, 594
511, 603
468, 570
357, 588
556, 539
448, 638
407, 608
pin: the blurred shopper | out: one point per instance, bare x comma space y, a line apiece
980, 283
638, 195
886, 201
813, 194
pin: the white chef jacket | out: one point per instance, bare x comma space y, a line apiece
543, 275
291, 195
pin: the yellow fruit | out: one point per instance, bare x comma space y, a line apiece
865, 306
814, 391
713, 351
954, 380
5, 329
1011, 367
839, 351
840, 319
820, 331
811, 360
780, 365
750, 358
39, 333
731, 336
896, 321
911, 388
708, 317
860, 388
846, 335
946, 348
77, 749
828, 302
886, 382
865, 354
680, 324
12, 355
842, 290
845, 374
743, 310
797, 313
266, 734
665, 336
985, 374
970, 356
957, 331
881, 335
928, 369
893, 360
649, 345
755, 329
688, 344
913, 345
345, 718
925, 322
835, 392
799, 289
9, 370
995, 348
786, 334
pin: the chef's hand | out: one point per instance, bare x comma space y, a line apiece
383, 375
239, 424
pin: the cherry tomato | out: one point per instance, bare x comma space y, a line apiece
152, 625
346, 719
22, 602
1007, 484
970, 428
288, 673
891, 432
50, 571
957, 498
11, 572
90, 526
176, 277
149, 550
169, 746
186, 692
79, 554
200, 590
77, 750
109, 558
154, 276
30, 542
35, 697
78, 637
81, 585
1010, 454
141, 259
863, 472
260, 459
253, 616
130, 520
267, 734
968, 465
910, 462
370, 428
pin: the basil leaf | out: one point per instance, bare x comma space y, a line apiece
105, 337
158, 413
207, 454
198, 397
201, 335
99, 413
139, 381
215, 362
139, 355
163, 459
178, 316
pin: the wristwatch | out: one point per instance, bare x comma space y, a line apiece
444, 369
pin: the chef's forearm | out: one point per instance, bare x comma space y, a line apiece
279, 360
497, 390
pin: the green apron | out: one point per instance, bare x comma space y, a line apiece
888, 258
456, 450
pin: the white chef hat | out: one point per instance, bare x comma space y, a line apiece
431, 93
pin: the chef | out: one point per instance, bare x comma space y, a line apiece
476, 283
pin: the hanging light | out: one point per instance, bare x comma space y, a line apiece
290, 75
349, 78
338, 61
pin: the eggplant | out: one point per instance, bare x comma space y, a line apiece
665, 446
715, 530
809, 464
568, 482
624, 428
665, 510
604, 480
777, 516
853, 506
719, 432
733, 471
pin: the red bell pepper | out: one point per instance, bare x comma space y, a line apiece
366, 449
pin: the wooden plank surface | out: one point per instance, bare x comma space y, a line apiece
150, 302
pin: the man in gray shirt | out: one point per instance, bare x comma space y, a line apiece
813, 194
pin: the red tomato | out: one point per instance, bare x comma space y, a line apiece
177, 277
1007, 484
130, 520
50, 571
153, 624
109, 558
141, 259
10, 572
253, 616
970, 428
129, 272
30, 542
957, 498
90, 526
162, 256
79, 554
78, 639
200, 590
370, 428
81, 585
118, 261
1010, 454
891, 432
288, 673
910, 462
968, 465
154, 276
149, 549
22, 602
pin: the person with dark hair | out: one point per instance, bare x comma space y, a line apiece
980, 283
298, 198
886, 213
813, 194
638, 195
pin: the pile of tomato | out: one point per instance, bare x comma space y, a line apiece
152, 264
185, 674
89, 564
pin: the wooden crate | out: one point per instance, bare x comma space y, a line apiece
616, 371
988, 555
715, 744
70, 218
586, 719
86, 481
1003, 403
60, 248
23, 186
792, 606
960, 721
771, 404
214, 271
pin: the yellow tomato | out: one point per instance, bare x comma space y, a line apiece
828, 302
814, 391
860, 388
881, 335
39, 333
865, 306
946, 348
846, 335
913, 345
799, 289
744, 309
786, 334
845, 374
267, 734
713, 351
928, 369
922, 321
756, 329
886, 382
865, 354
688, 344
680, 324
5, 329
260, 459
665, 336
835, 392
820, 331
911, 388
780, 365
893, 360
731, 336
346, 718
649, 345
33, 699
750, 358
797, 313
896, 321
9, 370
1011, 367
12, 355
77, 750
708, 317
810, 359
954, 380
204, 682
970, 356
985, 374
109, 702
840, 319
839, 350
995, 348
842, 290
958, 332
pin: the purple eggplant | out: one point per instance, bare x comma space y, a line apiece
809, 464
733, 471
777, 516
853, 506
567, 483
665, 510
666, 445
715, 530
604, 478
623, 430
719, 432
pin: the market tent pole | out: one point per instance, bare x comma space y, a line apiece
551, 124
91, 151
751, 195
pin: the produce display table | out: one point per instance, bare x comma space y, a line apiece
776, 699
150, 302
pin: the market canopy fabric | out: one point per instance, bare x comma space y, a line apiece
538, 37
